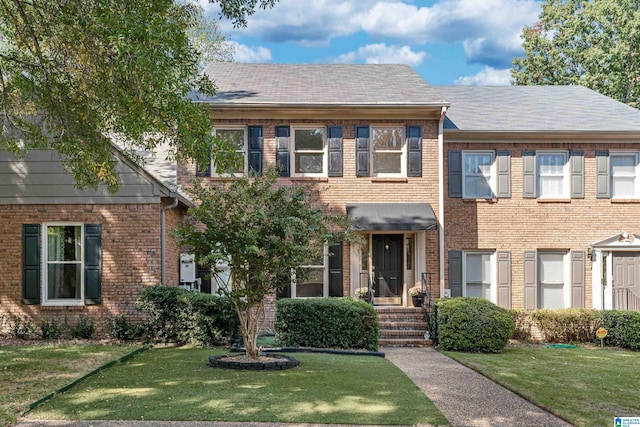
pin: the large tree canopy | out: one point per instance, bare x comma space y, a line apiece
76, 74
593, 43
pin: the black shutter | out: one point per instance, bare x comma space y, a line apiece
283, 134
503, 160
362, 151
255, 149
31, 263
414, 150
455, 173
92, 264
204, 169
334, 141
335, 270
455, 273
529, 190
603, 183
577, 174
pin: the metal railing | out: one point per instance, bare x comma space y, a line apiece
366, 282
427, 302
626, 299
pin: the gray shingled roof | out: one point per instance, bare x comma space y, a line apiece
319, 84
535, 108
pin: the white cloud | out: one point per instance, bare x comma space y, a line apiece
243, 53
380, 53
487, 77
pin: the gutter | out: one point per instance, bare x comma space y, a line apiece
163, 243
303, 105
443, 113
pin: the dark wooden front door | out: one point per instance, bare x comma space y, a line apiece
387, 265
626, 281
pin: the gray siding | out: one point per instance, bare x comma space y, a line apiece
40, 179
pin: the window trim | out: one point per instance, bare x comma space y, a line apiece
212, 170
636, 183
566, 174
293, 151
403, 151
493, 285
493, 174
566, 276
325, 275
46, 301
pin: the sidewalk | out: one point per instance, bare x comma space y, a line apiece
464, 396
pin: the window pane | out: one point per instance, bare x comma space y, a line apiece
478, 268
479, 290
551, 268
312, 284
477, 186
623, 165
622, 187
309, 163
309, 139
63, 281
551, 164
387, 163
623, 171
387, 138
64, 243
552, 186
478, 163
233, 137
551, 296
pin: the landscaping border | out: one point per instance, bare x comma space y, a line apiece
237, 349
75, 382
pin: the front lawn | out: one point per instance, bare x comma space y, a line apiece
176, 384
588, 386
28, 373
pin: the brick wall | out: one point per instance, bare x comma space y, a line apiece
519, 224
130, 256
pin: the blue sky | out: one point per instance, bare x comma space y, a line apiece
445, 41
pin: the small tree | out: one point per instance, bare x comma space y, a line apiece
258, 231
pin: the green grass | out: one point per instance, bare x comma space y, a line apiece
28, 373
176, 384
587, 386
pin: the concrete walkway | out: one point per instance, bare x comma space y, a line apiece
465, 397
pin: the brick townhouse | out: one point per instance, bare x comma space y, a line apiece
524, 195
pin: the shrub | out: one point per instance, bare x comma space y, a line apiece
179, 315
522, 323
84, 328
326, 323
120, 328
623, 328
51, 329
472, 324
566, 325
22, 329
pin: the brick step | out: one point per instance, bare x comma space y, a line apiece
405, 342
401, 318
397, 309
401, 333
416, 325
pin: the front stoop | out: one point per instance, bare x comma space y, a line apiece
402, 327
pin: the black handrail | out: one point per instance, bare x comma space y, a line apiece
427, 302
369, 285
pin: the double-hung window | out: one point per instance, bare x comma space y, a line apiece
551, 279
309, 280
479, 173
388, 151
553, 179
63, 264
624, 176
309, 151
478, 275
236, 138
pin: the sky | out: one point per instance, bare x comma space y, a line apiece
447, 42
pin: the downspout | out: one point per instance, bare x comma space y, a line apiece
441, 195
163, 249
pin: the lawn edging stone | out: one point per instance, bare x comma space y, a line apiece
280, 362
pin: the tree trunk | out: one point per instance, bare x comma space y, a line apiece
249, 317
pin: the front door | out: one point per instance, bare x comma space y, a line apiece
387, 268
626, 281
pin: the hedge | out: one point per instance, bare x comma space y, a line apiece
178, 315
326, 323
471, 324
566, 325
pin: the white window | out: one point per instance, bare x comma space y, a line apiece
479, 172
624, 173
388, 151
552, 276
63, 258
309, 151
236, 138
311, 280
553, 171
478, 277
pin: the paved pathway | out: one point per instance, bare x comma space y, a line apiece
465, 397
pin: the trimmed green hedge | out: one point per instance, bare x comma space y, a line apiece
326, 323
178, 315
566, 325
471, 324
623, 328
